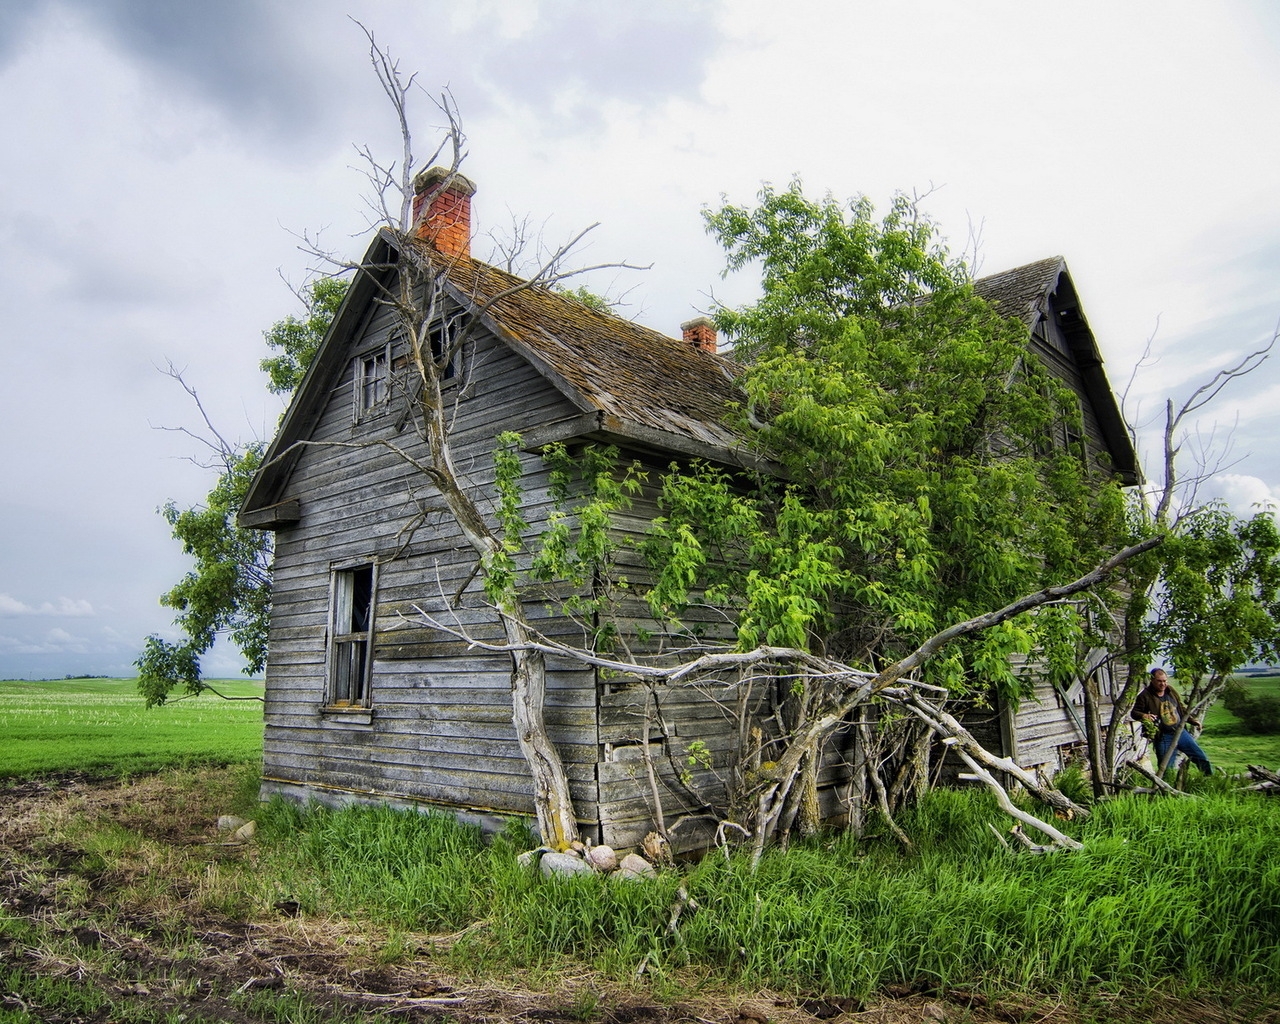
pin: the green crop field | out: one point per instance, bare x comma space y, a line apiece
100, 727
1229, 744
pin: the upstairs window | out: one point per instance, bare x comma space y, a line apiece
440, 337
1076, 443
351, 636
371, 381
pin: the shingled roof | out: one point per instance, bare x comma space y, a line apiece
1021, 291
628, 373
633, 385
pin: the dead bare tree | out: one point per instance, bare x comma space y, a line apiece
419, 278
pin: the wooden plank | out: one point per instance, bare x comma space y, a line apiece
373, 761
284, 513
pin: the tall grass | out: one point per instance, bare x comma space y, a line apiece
1185, 891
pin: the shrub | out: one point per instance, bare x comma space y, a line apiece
1258, 712
1073, 783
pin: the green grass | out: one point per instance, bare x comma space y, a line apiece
1168, 900
1179, 896
1230, 745
1182, 893
100, 727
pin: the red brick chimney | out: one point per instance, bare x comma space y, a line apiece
442, 216
700, 332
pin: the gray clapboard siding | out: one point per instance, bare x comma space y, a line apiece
1045, 727
440, 727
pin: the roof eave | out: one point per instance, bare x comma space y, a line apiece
304, 411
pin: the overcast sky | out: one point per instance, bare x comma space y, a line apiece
158, 159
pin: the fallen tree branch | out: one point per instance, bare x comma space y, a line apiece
1263, 774
979, 773
956, 735
843, 690
1026, 603
1160, 785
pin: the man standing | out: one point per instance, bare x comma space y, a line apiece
1160, 703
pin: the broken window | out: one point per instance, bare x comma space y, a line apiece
371, 381
443, 335
351, 644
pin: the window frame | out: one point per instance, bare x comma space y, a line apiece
438, 334
342, 646
371, 381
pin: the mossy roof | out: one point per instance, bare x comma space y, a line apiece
606, 363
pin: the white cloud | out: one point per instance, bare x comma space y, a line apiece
54, 641
1244, 494
8, 606
66, 607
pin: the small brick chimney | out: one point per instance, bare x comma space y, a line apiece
442, 216
700, 332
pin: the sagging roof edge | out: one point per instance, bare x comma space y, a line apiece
303, 413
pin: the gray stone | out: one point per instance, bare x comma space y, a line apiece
564, 864
229, 823
635, 866
602, 858
529, 859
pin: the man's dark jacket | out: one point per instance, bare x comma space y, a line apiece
1149, 704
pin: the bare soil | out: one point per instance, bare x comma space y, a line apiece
175, 956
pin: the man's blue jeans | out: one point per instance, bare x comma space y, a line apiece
1186, 745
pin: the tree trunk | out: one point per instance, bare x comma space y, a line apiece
1136, 670
810, 809
1093, 729
552, 802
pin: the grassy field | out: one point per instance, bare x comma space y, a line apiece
1229, 744
1168, 915
100, 727
1175, 892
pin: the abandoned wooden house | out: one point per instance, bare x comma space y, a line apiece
363, 701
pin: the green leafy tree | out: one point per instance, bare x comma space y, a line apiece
907, 491
588, 298
1211, 603
914, 487
228, 590
298, 338
1219, 607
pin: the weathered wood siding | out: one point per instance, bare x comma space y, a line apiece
1051, 348
1048, 726
438, 729
1048, 729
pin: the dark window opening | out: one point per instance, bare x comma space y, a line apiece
371, 381
349, 657
439, 341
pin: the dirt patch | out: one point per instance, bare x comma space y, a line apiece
135, 935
